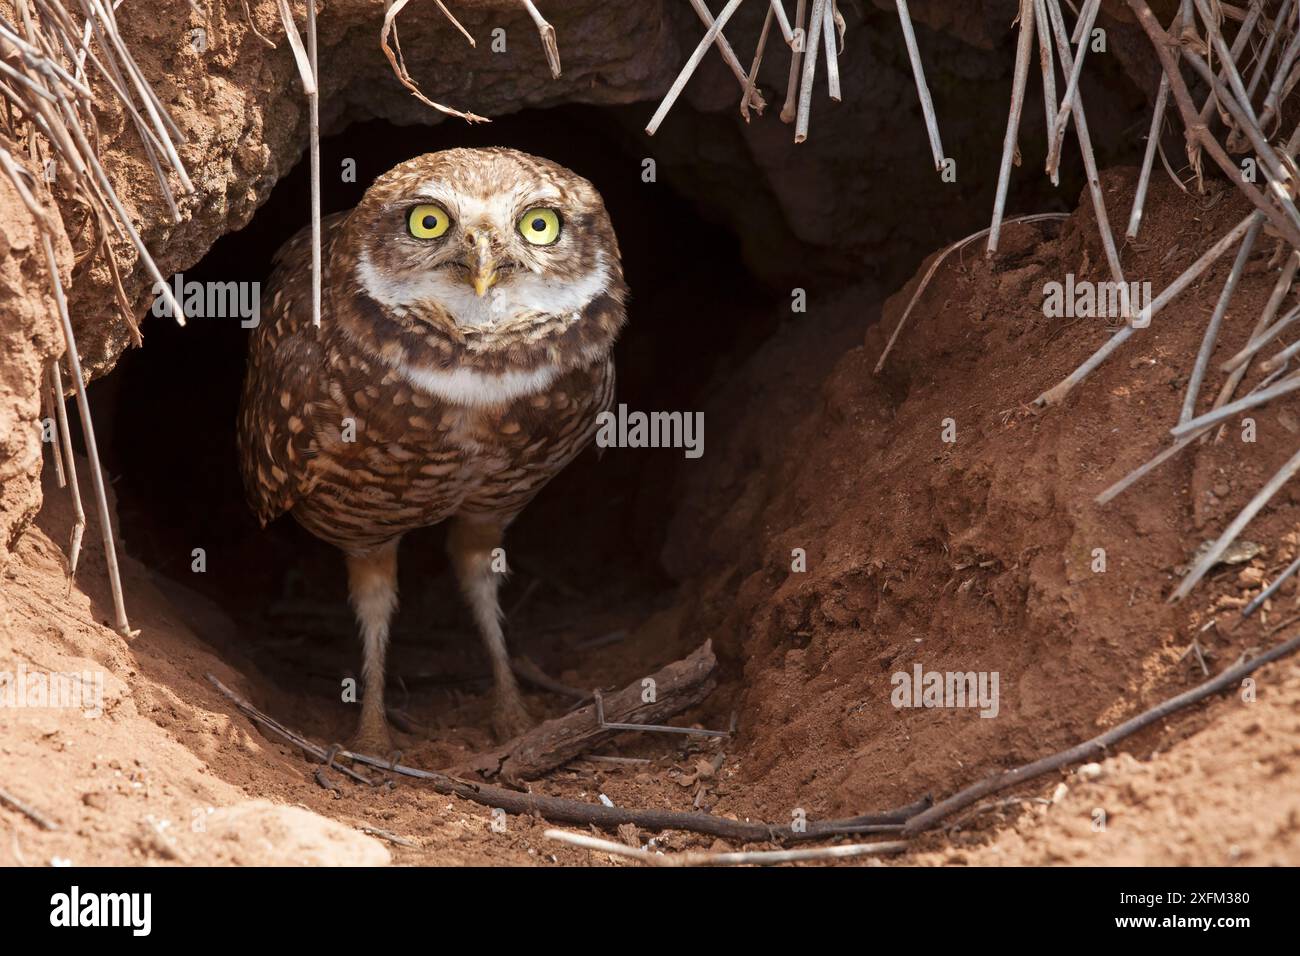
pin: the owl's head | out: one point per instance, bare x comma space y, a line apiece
487, 236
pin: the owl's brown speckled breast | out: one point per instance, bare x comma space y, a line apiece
392, 457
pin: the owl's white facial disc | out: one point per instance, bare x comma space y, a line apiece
517, 293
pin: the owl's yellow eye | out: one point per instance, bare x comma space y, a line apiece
428, 221
540, 226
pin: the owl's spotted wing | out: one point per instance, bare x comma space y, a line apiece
283, 388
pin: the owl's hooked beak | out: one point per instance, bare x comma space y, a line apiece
482, 263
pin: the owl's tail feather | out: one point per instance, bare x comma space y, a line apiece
475, 547
372, 589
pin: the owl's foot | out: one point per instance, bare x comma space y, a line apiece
510, 717
372, 738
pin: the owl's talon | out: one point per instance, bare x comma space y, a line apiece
510, 718
372, 741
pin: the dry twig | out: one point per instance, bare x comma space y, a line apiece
816, 20
692, 63
678, 686
1216, 319
547, 34
750, 858
797, 43
74, 486
313, 133
399, 66
752, 96
561, 810
922, 87
1215, 552
1056, 134
752, 78
1010, 149
27, 810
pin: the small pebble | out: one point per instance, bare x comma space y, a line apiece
1090, 771
1250, 577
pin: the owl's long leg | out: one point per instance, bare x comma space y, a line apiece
372, 589
470, 542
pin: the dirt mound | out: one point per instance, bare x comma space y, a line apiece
979, 554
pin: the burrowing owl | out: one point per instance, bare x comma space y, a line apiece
470, 303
